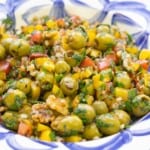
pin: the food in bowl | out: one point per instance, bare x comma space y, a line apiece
69, 80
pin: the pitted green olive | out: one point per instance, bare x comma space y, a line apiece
2, 52
108, 124
100, 107
6, 43
76, 40
103, 28
62, 67
10, 120
69, 85
46, 80
104, 41
122, 79
140, 105
24, 85
14, 99
69, 58
68, 125
85, 112
123, 116
19, 48
91, 131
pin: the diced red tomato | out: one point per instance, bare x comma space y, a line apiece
87, 62
5, 66
37, 55
103, 64
36, 37
60, 22
144, 64
112, 57
75, 20
25, 128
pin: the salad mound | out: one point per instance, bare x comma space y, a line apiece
69, 80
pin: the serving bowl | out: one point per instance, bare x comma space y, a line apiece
132, 16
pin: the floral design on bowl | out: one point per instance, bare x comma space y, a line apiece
112, 12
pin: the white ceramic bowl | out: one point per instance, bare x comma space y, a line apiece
133, 16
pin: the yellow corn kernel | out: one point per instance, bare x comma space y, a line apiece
121, 92
57, 91
75, 102
91, 36
147, 79
42, 127
76, 76
144, 54
95, 53
40, 61
28, 29
2, 75
39, 27
117, 34
86, 24
135, 66
3, 33
96, 81
85, 73
89, 99
51, 24
132, 49
45, 135
73, 138
35, 91
64, 43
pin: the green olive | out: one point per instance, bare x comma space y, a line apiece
103, 28
45, 79
122, 79
76, 40
85, 112
69, 85
123, 117
2, 86
91, 131
19, 48
68, 125
104, 41
24, 85
69, 58
140, 105
108, 124
7, 42
10, 120
100, 107
2, 52
62, 67
14, 99
146, 90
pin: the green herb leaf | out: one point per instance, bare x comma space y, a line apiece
101, 124
132, 93
53, 136
37, 48
8, 22
129, 40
